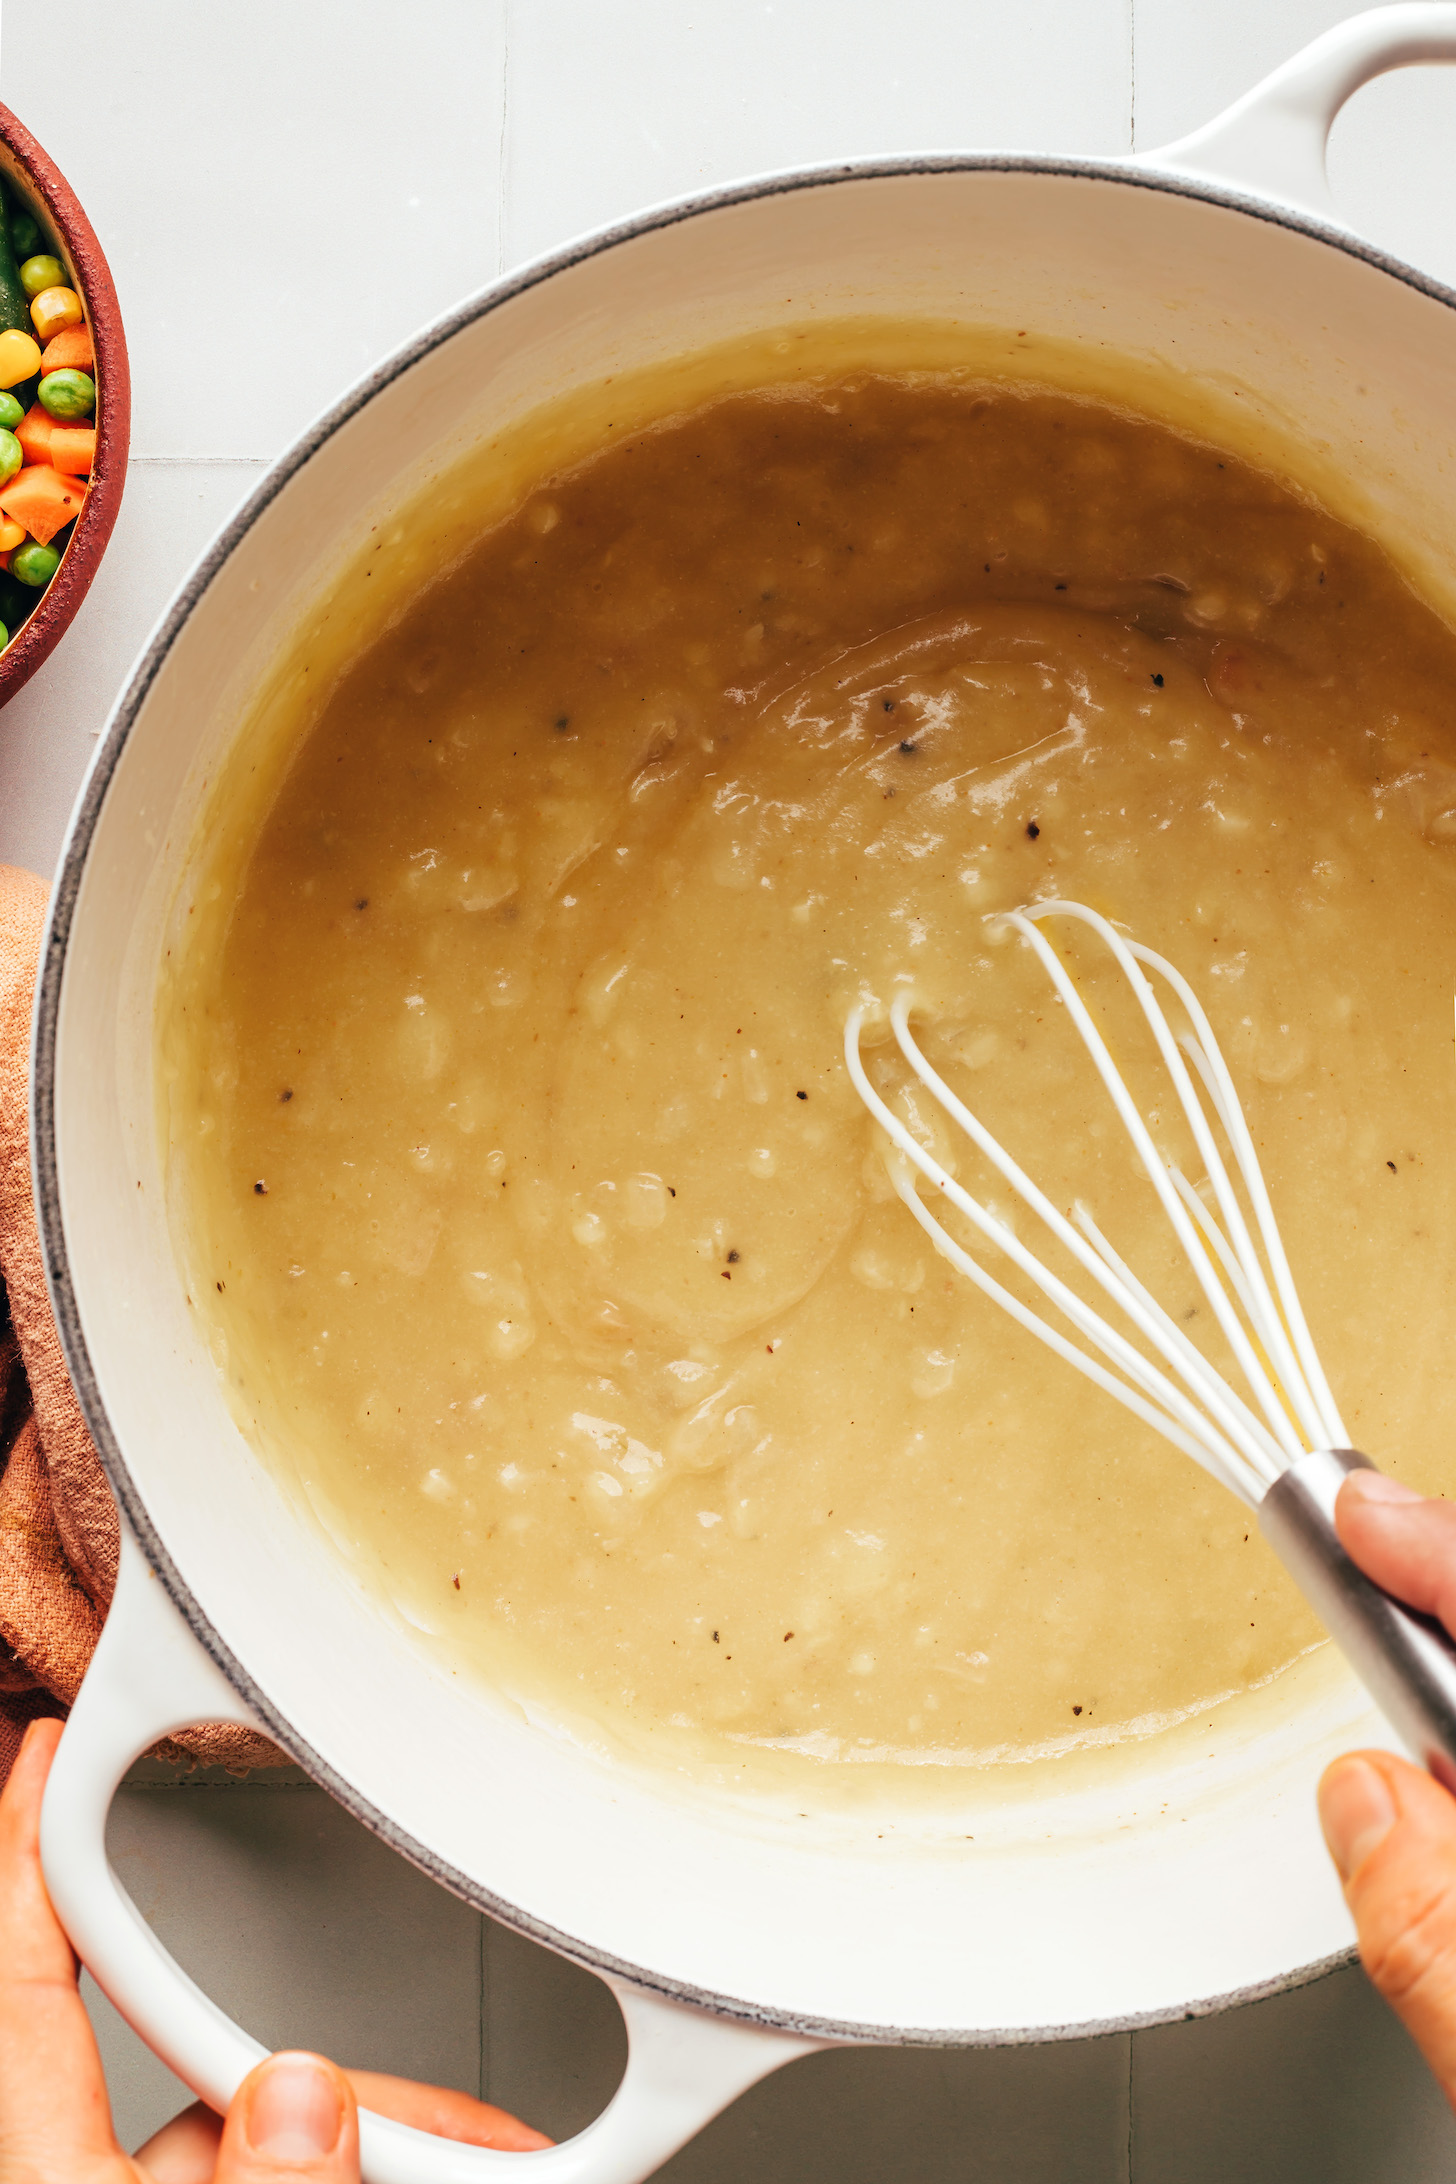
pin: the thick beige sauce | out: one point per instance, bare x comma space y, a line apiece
543, 1239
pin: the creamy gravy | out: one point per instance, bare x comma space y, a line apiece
541, 1238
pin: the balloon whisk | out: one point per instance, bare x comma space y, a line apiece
1126, 1342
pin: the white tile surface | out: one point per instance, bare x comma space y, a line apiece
170, 512
287, 190
312, 1933
1051, 2115
1316, 2087
1392, 152
284, 191
301, 1924
612, 108
1393, 166
1192, 61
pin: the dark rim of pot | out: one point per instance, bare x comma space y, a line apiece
58, 933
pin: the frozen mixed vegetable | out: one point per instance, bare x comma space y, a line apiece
48, 403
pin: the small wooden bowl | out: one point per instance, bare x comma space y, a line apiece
39, 182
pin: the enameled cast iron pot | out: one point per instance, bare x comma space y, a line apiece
732, 1948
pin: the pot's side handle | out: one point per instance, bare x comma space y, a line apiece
149, 1677
1272, 140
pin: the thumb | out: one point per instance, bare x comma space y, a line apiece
1402, 1540
292, 2121
1391, 1831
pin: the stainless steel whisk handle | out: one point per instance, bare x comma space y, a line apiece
1405, 1660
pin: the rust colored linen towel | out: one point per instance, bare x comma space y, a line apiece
58, 1523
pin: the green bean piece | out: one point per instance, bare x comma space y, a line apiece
14, 302
25, 235
42, 272
67, 394
34, 564
16, 602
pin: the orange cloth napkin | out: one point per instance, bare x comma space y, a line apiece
58, 1523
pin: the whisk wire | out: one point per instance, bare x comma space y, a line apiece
1171, 1413
1251, 1293
1213, 1392
1223, 1464
1260, 1311
1205, 1053
1193, 1365
1154, 1164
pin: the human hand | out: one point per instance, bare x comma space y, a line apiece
1391, 1830
294, 2119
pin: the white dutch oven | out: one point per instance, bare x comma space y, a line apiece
1219, 263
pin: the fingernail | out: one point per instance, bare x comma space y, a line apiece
1379, 1486
1356, 1811
296, 2112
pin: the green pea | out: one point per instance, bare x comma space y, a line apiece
34, 564
39, 273
67, 394
12, 412
4, 636
25, 236
12, 455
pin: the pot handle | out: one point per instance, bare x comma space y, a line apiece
149, 1677
1272, 140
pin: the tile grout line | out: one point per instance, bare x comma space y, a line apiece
246, 1781
482, 2072
235, 462
503, 144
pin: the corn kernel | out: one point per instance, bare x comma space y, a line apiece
10, 535
54, 309
19, 357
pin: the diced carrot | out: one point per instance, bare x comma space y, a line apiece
73, 449
41, 499
69, 350
34, 434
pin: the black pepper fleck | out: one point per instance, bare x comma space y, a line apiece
260, 1188
733, 1258
1158, 682
1032, 830
801, 1095
909, 749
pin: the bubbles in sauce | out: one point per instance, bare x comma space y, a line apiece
577, 1292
